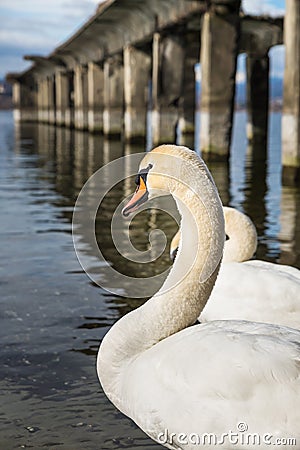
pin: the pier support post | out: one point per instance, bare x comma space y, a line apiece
187, 106
257, 67
95, 97
113, 97
62, 98
137, 66
39, 100
219, 49
24, 98
155, 89
172, 72
69, 115
43, 100
167, 81
80, 98
291, 95
51, 100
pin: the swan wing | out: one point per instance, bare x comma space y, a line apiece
215, 375
255, 291
293, 272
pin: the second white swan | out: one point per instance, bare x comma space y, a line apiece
250, 290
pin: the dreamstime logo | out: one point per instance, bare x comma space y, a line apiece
88, 251
239, 437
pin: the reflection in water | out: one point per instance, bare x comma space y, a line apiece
255, 187
254, 203
290, 224
52, 316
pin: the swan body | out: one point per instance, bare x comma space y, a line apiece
250, 290
176, 381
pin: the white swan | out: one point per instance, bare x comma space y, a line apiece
241, 233
178, 383
254, 290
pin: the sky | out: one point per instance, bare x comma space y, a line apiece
38, 26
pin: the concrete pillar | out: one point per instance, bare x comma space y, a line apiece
187, 106
137, 66
95, 96
69, 113
155, 89
257, 67
62, 97
168, 56
113, 97
24, 97
51, 99
43, 101
219, 49
39, 99
45, 93
291, 94
16, 98
172, 72
80, 98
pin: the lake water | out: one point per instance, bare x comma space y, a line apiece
52, 316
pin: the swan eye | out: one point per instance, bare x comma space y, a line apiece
142, 175
138, 179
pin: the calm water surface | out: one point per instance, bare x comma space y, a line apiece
52, 317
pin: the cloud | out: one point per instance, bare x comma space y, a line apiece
277, 55
13, 62
240, 77
37, 40
37, 27
55, 7
79, 7
274, 8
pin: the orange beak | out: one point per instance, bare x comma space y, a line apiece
139, 197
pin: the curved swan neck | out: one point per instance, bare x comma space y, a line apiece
183, 295
242, 235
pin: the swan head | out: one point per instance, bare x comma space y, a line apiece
242, 236
159, 173
177, 170
142, 193
153, 177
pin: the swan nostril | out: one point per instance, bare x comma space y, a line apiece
125, 213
